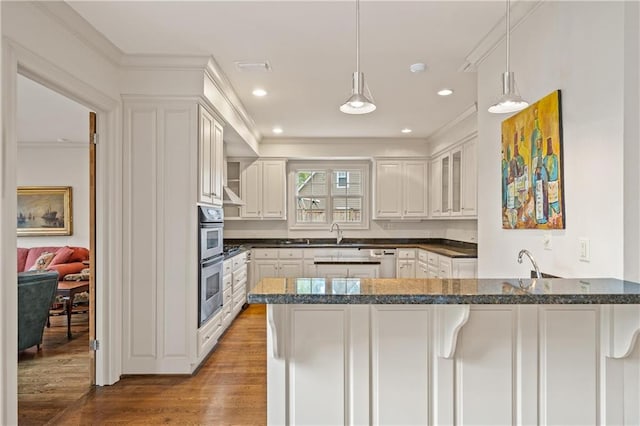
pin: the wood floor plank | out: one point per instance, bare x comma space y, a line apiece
229, 389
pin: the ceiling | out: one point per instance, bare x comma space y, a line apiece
311, 48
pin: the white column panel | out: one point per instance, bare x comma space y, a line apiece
632, 387
568, 365
359, 365
317, 374
485, 367
400, 361
141, 292
178, 232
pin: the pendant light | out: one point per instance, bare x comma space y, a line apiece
358, 103
510, 101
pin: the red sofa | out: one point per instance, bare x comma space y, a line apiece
67, 260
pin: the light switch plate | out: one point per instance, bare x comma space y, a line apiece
584, 250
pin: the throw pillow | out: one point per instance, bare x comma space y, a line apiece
42, 261
62, 256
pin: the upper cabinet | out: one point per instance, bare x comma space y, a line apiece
454, 182
263, 186
210, 159
400, 189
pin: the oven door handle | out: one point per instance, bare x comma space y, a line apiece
212, 261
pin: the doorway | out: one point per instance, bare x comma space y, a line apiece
54, 136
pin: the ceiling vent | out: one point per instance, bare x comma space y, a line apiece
245, 66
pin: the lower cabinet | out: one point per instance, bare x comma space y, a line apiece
347, 271
432, 265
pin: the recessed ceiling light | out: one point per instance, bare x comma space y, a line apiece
277, 130
406, 130
418, 67
259, 93
445, 92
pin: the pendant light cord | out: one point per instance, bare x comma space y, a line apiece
508, 14
358, 36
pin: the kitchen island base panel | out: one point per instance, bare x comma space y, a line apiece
453, 364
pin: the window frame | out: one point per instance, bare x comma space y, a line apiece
330, 168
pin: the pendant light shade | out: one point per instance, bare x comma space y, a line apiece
357, 103
510, 101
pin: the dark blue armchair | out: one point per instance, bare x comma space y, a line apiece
36, 292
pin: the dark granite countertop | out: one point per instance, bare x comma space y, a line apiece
444, 291
449, 248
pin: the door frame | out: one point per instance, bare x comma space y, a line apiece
18, 60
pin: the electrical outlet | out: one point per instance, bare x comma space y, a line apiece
546, 240
584, 250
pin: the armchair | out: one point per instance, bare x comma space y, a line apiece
36, 292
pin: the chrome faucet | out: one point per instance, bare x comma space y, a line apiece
337, 227
533, 261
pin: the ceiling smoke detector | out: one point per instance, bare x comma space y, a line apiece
246, 66
418, 67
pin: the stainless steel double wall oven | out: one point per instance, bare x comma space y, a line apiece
210, 223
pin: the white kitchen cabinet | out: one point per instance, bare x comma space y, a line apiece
347, 271
454, 182
210, 159
422, 270
263, 189
406, 263
277, 263
400, 189
469, 178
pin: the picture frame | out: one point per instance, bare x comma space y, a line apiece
533, 167
44, 211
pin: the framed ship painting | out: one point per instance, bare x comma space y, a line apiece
532, 170
44, 210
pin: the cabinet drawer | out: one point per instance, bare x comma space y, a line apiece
240, 275
227, 266
239, 260
209, 332
406, 253
265, 254
291, 253
422, 255
227, 296
226, 282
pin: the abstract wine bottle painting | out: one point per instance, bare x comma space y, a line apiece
532, 178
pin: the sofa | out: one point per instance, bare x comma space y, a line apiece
66, 260
36, 292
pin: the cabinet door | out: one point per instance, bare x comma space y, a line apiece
422, 270
332, 271
445, 187
264, 269
363, 271
406, 269
469, 179
309, 269
290, 268
217, 171
388, 200
456, 182
206, 152
415, 189
251, 190
274, 184
465, 268
446, 267
436, 188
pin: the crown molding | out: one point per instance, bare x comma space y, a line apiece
520, 11
73, 22
468, 112
168, 62
220, 80
340, 141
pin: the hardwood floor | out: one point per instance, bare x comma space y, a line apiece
229, 389
52, 379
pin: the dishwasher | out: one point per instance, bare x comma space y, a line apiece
387, 259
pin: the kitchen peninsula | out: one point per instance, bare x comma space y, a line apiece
452, 351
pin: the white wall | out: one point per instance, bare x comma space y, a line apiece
576, 47
58, 164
